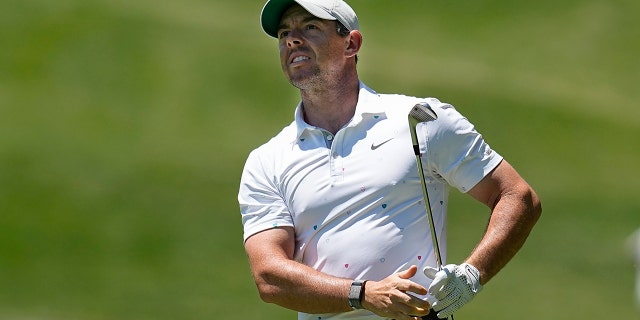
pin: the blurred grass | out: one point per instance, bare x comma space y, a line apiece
124, 127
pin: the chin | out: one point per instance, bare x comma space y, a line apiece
305, 77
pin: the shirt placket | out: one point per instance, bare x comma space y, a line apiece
333, 143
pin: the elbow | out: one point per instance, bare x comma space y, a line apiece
536, 205
527, 202
268, 291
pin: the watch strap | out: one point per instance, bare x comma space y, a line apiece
355, 294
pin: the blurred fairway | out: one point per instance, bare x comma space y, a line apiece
124, 126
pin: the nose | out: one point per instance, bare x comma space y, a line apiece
293, 39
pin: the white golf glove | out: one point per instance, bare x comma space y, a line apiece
453, 286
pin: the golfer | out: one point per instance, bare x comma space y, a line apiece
334, 220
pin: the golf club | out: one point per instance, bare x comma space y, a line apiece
422, 112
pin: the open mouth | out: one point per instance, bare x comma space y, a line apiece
299, 59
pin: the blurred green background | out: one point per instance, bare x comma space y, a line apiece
124, 126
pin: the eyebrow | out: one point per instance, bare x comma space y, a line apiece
305, 20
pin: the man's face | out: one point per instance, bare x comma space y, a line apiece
311, 51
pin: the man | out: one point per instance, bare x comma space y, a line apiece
334, 222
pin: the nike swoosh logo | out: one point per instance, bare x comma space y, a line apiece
374, 146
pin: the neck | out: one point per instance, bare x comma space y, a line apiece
331, 106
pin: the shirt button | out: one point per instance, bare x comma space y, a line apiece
329, 137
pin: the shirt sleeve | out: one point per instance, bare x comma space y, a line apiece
261, 205
456, 152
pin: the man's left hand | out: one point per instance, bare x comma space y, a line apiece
453, 286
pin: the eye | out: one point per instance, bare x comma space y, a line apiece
283, 34
311, 27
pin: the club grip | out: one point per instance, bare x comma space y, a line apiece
433, 316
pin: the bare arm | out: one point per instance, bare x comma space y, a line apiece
290, 284
515, 208
295, 286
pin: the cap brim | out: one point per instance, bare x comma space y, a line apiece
271, 13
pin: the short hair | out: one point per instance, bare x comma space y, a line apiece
342, 30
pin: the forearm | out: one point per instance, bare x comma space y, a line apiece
288, 283
512, 219
297, 287
293, 285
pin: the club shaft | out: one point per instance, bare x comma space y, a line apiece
432, 313
422, 112
427, 204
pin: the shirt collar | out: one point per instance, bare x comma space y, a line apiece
368, 103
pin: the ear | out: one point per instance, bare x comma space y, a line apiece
354, 42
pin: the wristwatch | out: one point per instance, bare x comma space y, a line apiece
355, 294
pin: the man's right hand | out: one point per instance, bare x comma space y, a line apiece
391, 297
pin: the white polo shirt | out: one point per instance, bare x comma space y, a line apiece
354, 199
